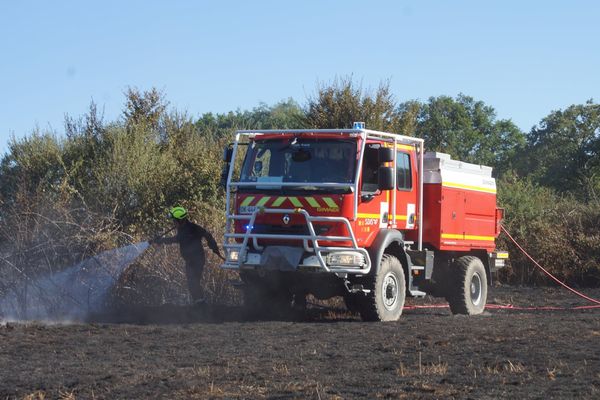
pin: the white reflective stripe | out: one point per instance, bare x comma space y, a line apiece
410, 210
463, 180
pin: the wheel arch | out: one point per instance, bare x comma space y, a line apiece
389, 241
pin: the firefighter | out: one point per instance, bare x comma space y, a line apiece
189, 236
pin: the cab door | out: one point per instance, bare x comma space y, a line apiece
374, 205
406, 188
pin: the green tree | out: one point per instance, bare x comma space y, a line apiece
286, 114
32, 163
563, 151
468, 130
342, 102
144, 108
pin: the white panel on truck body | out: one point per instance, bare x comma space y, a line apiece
440, 168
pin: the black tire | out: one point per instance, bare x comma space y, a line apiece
388, 292
467, 293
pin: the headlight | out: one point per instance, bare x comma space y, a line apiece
346, 258
233, 255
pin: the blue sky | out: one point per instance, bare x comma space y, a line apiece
524, 58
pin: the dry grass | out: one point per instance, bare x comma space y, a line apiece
281, 369
504, 367
438, 368
299, 389
41, 395
202, 372
37, 395
64, 395
158, 278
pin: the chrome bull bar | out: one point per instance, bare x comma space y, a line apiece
310, 242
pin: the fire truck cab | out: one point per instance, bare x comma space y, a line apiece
357, 213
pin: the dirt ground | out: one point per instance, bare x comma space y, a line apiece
216, 352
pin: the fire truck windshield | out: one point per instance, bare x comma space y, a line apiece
307, 162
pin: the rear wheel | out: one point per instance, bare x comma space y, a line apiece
386, 299
467, 293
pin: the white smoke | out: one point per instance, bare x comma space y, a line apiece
71, 294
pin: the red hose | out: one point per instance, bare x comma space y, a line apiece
512, 307
555, 279
506, 307
546, 308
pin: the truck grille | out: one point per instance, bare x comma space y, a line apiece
288, 230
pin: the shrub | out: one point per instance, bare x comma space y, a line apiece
558, 231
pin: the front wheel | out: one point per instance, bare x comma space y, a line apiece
386, 300
467, 293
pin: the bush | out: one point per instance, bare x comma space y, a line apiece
558, 231
108, 185
105, 185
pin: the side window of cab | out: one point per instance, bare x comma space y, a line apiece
370, 167
403, 172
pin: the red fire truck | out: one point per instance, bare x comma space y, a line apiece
357, 213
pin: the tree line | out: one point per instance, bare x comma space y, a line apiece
102, 183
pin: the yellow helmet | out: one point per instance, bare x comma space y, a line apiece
178, 213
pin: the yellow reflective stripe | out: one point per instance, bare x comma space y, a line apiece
366, 215
313, 202
263, 201
247, 201
467, 237
279, 201
469, 187
330, 203
404, 147
295, 201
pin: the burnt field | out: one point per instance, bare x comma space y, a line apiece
217, 352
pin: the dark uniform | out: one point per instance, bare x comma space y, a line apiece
189, 236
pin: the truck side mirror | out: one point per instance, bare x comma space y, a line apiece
385, 154
385, 178
227, 154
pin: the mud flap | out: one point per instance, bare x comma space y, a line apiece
421, 270
423, 258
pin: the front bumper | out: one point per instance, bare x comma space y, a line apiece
286, 258
307, 255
